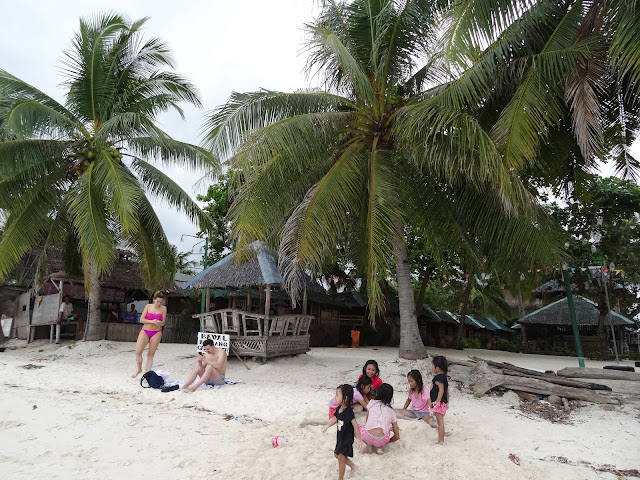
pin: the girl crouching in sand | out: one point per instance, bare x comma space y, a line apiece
439, 394
359, 402
380, 416
347, 429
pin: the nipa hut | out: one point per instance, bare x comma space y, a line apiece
255, 332
37, 307
437, 327
549, 329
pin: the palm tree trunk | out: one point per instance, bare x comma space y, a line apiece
424, 281
464, 307
411, 346
93, 330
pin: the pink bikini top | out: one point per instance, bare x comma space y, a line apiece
154, 316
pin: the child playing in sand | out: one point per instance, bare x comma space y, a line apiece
380, 416
360, 392
439, 394
372, 371
347, 429
418, 398
359, 397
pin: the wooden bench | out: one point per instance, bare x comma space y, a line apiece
55, 331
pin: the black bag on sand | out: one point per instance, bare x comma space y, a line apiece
153, 380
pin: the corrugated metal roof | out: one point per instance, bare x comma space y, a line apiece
557, 313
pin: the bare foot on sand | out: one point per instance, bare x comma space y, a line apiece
354, 469
136, 374
380, 451
188, 389
439, 443
364, 448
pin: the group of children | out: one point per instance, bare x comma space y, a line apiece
381, 426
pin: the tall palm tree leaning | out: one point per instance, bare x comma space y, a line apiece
77, 175
393, 140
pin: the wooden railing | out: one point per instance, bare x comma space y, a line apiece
248, 324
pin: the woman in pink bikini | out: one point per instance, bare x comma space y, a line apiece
152, 320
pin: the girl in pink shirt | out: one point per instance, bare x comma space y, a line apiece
381, 420
418, 398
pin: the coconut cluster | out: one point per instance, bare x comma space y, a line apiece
83, 155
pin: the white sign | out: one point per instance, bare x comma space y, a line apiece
220, 340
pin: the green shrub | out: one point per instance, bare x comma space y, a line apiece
485, 341
508, 346
473, 343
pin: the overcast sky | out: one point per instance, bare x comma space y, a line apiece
220, 45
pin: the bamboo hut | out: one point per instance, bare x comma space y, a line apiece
548, 329
438, 327
254, 329
123, 285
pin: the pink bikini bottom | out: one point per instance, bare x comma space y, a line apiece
371, 440
150, 333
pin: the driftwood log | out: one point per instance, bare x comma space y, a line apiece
513, 370
573, 372
508, 366
559, 380
481, 379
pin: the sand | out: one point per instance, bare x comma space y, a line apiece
81, 416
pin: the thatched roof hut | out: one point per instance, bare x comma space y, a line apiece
261, 270
557, 313
125, 274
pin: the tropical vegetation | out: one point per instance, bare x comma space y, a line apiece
432, 115
79, 176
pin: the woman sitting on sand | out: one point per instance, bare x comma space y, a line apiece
153, 318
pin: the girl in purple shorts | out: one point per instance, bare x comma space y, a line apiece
381, 419
417, 398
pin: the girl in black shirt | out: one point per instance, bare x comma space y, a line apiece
347, 429
439, 394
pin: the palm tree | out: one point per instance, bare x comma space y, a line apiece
379, 149
183, 264
557, 85
77, 175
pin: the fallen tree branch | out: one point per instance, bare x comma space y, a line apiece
481, 379
559, 380
574, 372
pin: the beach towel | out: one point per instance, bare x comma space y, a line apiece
180, 383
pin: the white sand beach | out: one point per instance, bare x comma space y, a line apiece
82, 416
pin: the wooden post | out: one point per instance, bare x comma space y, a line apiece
262, 300
525, 342
248, 309
304, 301
207, 300
267, 301
58, 327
